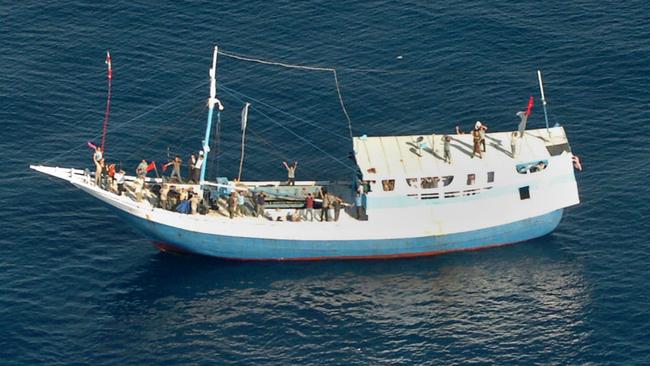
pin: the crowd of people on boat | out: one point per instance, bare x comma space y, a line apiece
172, 195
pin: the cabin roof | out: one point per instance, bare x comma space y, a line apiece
391, 157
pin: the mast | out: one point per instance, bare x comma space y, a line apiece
244, 121
108, 99
541, 89
211, 102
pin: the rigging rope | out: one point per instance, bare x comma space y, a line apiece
295, 134
257, 101
127, 122
301, 67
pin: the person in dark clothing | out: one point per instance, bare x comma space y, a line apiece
190, 168
324, 211
260, 202
336, 203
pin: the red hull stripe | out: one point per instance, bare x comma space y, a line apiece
165, 247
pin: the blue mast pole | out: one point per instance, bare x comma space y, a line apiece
211, 102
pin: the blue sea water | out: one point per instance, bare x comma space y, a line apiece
79, 287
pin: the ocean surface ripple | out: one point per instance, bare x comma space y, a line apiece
79, 287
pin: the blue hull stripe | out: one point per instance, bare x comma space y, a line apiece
273, 249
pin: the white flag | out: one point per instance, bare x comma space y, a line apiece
244, 116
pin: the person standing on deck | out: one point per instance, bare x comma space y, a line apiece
476, 139
309, 207
176, 170
196, 176
232, 204
190, 168
104, 175
447, 148
358, 203
163, 196
98, 171
324, 212
97, 157
336, 203
241, 200
141, 170
291, 172
120, 179
110, 169
138, 189
514, 141
260, 202
481, 130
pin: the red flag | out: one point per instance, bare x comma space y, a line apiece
151, 166
530, 106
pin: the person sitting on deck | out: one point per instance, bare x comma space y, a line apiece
291, 172
294, 216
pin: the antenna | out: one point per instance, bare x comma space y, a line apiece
541, 89
107, 114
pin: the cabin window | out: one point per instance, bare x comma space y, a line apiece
388, 185
412, 182
471, 179
532, 167
541, 165
490, 177
524, 193
430, 182
447, 180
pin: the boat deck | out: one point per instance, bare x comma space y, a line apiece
400, 156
